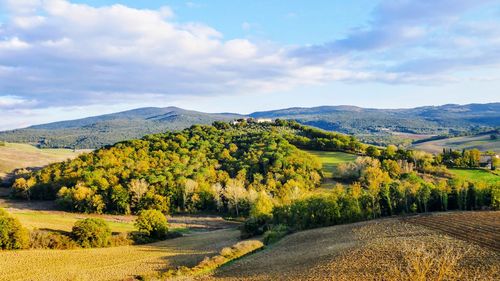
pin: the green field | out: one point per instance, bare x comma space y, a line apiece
331, 159
476, 175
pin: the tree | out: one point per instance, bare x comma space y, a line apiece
152, 223
424, 194
12, 234
374, 178
262, 206
91, 232
138, 187
391, 167
235, 192
23, 186
372, 151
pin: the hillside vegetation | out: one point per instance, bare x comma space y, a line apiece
98, 131
376, 126
210, 168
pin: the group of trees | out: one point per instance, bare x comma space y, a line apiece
86, 233
378, 189
465, 158
219, 168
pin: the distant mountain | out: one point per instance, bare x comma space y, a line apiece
94, 132
428, 119
380, 126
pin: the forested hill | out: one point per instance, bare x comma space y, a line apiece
95, 132
186, 170
370, 125
444, 119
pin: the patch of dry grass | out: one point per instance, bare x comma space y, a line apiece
17, 155
226, 255
115, 263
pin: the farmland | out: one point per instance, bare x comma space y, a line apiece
481, 142
479, 227
386, 249
476, 175
41, 215
16, 155
114, 263
330, 159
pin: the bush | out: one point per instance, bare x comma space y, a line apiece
12, 234
51, 240
255, 226
121, 239
152, 223
91, 232
276, 233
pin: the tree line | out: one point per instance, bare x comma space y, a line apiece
376, 189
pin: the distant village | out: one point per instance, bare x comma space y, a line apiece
252, 120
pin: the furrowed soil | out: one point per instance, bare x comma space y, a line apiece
385, 249
482, 228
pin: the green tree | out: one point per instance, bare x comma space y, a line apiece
12, 234
153, 223
91, 233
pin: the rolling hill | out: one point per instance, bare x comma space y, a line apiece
482, 142
97, 131
378, 126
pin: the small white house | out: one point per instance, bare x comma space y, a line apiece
264, 120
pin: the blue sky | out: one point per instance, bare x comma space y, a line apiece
64, 59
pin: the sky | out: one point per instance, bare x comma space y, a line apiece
67, 59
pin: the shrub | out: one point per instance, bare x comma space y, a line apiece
276, 233
91, 232
255, 226
12, 234
51, 240
121, 239
152, 223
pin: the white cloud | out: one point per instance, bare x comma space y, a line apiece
58, 53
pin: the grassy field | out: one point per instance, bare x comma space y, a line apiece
482, 142
117, 263
42, 215
385, 249
331, 159
16, 155
476, 175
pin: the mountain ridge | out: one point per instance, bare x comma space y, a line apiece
371, 124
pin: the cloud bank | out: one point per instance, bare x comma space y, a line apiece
54, 53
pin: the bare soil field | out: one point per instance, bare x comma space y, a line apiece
482, 228
385, 249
